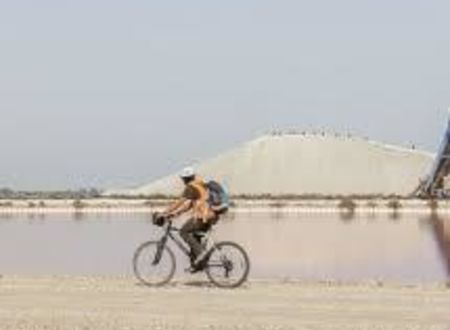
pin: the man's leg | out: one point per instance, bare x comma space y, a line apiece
187, 233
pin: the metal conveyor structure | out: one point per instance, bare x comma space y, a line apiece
434, 186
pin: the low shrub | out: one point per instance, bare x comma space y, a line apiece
394, 204
78, 204
347, 204
149, 203
371, 204
277, 204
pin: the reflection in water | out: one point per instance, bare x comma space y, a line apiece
347, 215
395, 215
79, 216
441, 229
6, 216
277, 211
36, 217
346, 246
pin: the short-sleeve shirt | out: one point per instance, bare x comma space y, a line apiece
191, 193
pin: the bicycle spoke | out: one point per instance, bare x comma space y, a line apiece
228, 265
152, 265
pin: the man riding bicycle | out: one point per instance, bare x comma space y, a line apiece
226, 263
196, 197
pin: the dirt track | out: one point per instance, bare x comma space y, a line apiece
118, 303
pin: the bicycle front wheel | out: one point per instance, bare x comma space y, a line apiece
228, 265
154, 265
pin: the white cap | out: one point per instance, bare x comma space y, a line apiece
187, 172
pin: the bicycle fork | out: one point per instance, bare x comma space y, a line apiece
159, 250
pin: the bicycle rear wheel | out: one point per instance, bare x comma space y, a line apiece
154, 265
228, 265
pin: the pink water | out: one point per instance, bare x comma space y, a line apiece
295, 246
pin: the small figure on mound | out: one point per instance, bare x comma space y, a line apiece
207, 201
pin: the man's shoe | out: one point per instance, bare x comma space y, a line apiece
197, 266
192, 258
194, 269
201, 261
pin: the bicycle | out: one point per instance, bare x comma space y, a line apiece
226, 264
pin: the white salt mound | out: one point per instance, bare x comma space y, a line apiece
306, 164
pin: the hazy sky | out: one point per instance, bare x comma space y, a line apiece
115, 93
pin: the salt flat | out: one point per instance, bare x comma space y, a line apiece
119, 303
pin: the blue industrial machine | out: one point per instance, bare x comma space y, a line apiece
434, 184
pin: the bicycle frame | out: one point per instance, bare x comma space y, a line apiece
168, 234
213, 256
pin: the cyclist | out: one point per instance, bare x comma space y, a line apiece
195, 197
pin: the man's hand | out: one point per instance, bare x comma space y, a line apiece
168, 216
159, 219
178, 207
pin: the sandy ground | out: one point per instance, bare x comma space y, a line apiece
119, 303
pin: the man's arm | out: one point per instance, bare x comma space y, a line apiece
178, 207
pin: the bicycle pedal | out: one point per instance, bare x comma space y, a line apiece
193, 270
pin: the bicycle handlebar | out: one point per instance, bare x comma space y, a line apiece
169, 225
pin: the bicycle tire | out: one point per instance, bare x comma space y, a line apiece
213, 263
151, 247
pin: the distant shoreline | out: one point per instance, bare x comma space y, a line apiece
345, 205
